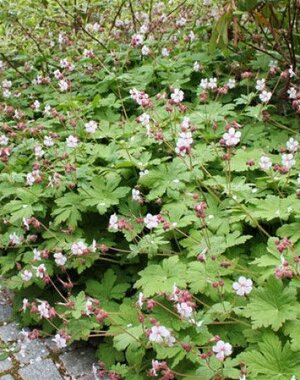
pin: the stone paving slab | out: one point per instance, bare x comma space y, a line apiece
40, 359
5, 313
78, 362
5, 365
32, 350
9, 332
44, 369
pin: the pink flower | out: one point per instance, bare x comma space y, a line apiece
222, 349
243, 286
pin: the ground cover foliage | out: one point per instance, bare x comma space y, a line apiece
150, 182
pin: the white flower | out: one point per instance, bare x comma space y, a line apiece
25, 304
232, 137
151, 221
136, 195
177, 95
6, 83
160, 334
181, 22
79, 248
15, 239
63, 85
292, 145
47, 110
26, 275
48, 141
144, 119
26, 224
60, 259
265, 163
36, 105
222, 349
265, 96
231, 83
40, 271
183, 144
43, 309
196, 66
88, 306
91, 126
72, 141
165, 52
60, 341
204, 83
192, 36
184, 310
298, 179
292, 92
143, 172
288, 160
243, 286
260, 84
185, 122
6, 93
113, 222
291, 72
3, 140
38, 151
212, 83
137, 40
140, 300
30, 179
36, 255
145, 51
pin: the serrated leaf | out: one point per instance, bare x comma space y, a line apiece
272, 305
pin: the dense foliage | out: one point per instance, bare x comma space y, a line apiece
150, 180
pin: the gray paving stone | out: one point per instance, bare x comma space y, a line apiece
44, 369
9, 332
79, 362
6, 377
5, 364
5, 313
33, 350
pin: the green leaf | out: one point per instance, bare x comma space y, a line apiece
272, 360
103, 193
161, 278
272, 305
